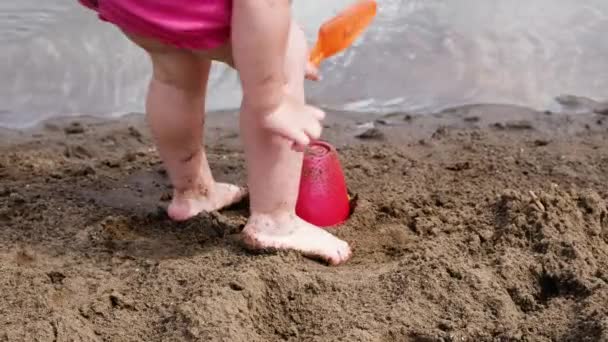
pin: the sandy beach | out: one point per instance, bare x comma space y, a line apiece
480, 223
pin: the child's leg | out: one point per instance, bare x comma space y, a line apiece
260, 34
175, 111
274, 176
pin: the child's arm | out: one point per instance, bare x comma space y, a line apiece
260, 30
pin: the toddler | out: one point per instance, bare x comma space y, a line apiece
260, 40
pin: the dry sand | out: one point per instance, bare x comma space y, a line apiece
482, 223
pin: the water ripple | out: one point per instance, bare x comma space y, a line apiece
419, 55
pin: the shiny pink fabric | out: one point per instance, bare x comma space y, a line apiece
188, 24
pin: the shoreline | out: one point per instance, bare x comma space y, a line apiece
417, 126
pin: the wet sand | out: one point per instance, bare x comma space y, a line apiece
481, 223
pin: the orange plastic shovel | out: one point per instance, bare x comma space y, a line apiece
341, 31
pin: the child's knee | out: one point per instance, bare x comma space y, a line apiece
179, 70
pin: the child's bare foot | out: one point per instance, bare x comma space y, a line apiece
291, 232
186, 204
295, 121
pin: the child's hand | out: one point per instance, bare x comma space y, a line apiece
311, 72
295, 121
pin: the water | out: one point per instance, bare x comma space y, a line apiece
57, 59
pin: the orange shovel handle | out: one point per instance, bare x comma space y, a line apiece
341, 31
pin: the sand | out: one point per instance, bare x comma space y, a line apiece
481, 223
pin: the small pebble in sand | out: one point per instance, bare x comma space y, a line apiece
513, 125
385, 122
236, 286
135, 133
601, 109
56, 277
541, 142
372, 134
516, 125
74, 128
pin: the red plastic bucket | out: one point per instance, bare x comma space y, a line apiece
323, 199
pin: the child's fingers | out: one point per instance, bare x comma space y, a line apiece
299, 137
312, 77
298, 148
318, 113
315, 112
313, 130
311, 72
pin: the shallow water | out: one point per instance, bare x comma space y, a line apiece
420, 55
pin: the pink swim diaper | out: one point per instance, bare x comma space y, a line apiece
188, 24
